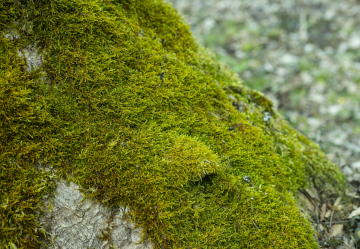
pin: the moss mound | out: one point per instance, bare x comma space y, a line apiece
127, 105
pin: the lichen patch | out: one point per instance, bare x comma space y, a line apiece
79, 222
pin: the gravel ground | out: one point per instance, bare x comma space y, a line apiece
303, 54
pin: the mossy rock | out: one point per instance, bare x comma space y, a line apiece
118, 97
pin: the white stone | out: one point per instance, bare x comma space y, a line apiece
306, 77
209, 23
289, 59
329, 14
309, 48
342, 48
356, 165
334, 109
268, 67
347, 171
354, 41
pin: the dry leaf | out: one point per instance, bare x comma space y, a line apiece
312, 192
328, 213
348, 243
352, 194
354, 213
336, 230
337, 202
323, 212
337, 206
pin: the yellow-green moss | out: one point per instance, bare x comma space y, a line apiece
130, 107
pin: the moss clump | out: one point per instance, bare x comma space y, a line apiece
129, 106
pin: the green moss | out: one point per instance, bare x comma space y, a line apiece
127, 105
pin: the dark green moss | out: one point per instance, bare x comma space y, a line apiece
127, 105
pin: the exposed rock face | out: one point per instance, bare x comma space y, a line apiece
76, 223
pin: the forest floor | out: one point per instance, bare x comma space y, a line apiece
304, 56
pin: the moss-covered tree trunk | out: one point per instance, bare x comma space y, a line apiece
118, 98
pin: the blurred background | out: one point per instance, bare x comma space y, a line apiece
304, 55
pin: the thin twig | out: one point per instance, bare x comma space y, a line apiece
255, 225
336, 222
317, 218
332, 213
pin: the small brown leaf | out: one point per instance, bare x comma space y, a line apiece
323, 212
339, 207
328, 213
336, 230
337, 202
335, 207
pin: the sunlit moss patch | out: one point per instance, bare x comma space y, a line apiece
127, 105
